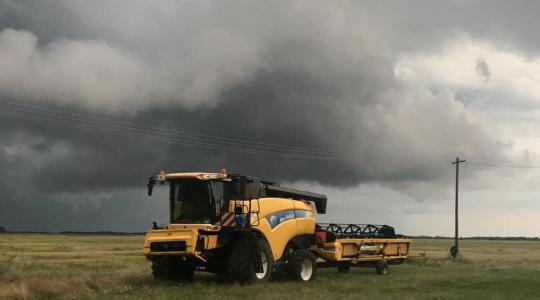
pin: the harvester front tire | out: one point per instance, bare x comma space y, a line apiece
172, 268
381, 267
302, 265
242, 264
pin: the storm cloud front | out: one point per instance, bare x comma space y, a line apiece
96, 96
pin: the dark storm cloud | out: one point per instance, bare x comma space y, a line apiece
299, 113
300, 74
303, 89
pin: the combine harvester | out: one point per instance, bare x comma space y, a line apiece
245, 228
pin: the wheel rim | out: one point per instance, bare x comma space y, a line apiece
264, 262
307, 269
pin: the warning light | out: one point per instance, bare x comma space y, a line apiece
223, 171
161, 175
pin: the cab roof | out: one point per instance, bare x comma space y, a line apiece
195, 175
268, 188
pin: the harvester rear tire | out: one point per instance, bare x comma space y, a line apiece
242, 263
302, 265
172, 268
381, 267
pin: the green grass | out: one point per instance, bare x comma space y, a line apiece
104, 267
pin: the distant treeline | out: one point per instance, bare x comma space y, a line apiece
77, 232
490, 238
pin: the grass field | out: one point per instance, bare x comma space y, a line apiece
102, 267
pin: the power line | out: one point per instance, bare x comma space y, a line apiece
33, 109
151, 137
184, 138
132, 130
483, 164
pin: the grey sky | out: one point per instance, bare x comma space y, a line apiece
398, 89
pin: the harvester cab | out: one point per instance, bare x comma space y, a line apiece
244, 229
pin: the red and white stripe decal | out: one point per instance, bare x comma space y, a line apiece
227, 219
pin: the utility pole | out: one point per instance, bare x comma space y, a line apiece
454, 251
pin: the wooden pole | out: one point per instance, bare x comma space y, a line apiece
454, 251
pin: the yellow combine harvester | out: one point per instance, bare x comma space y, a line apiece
245, 228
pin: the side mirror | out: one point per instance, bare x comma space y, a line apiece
150, 185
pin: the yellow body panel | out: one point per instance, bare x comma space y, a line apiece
306, 224
188, 235
279, 236
181, 232
211, 241
261, 210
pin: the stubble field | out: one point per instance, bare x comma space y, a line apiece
48, 266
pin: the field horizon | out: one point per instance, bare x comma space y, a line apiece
120, 233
